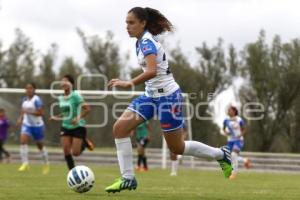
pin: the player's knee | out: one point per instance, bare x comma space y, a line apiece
76, 153
177, 150
120, 130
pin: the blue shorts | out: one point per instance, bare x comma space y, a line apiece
36, 132
236, 145
168, 109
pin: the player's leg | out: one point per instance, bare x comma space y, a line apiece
174, 164
66, 142
1, 150
235, 163
143, 153
128, 121
24, 140
77, 146
246, 161
171, 119
5, 152
198, 149
38, 136
140, 156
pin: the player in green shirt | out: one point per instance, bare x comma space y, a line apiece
142, 137
73, 111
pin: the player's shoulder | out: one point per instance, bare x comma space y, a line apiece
36, 98
240, 120
148, 38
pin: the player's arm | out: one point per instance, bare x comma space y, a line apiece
85, 109
150, 71
38, 112
148, 74
56, 117
224, 128
243, 130
20, 118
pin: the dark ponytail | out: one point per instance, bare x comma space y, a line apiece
156, 23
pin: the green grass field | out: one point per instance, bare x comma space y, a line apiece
155, 184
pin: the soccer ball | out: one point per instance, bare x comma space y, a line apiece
81, 179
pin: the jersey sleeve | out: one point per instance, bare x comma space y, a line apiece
242, 123
38, 103
225, 123
147, 47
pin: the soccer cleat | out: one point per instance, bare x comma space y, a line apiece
173, 174
138, 169
122, 184
225, 163
46, 169
24, 167
89, 144
247, 163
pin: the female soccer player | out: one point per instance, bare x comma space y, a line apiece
162, 97
73, 111
234, 129
142, 137
4, 125
32, 126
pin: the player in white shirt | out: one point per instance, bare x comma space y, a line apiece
234, 128
162, 98
32, 126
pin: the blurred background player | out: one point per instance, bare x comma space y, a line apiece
162, 97
175, 159
142, 134
4, 125
73, 110
234, 128
32, 125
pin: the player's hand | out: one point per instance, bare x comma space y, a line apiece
75, 120
239, 136
119, 83
54, 118
19, 122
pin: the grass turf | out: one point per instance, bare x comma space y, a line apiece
155, 184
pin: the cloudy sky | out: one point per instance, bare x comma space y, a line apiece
236, 21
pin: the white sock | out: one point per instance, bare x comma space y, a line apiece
200, 150
24, 153
174, 166
125, 157
235, 161
241, 159
44, 154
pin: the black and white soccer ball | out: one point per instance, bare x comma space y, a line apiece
81, 179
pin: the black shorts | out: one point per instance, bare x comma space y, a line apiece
79, 132
143, 141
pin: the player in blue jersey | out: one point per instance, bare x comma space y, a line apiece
162, 98
32, 126
234, 128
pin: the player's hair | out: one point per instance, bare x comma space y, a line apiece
70, 79
32, 85
156, 22
2, 110
235, 110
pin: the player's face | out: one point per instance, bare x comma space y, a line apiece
231, 112
29, 90
135, 27
65, 84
